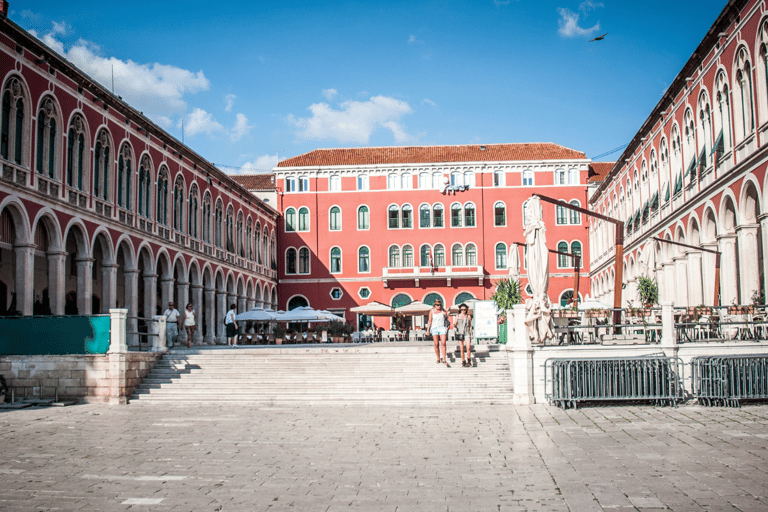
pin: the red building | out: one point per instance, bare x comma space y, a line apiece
399, 224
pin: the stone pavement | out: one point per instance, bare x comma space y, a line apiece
473, 458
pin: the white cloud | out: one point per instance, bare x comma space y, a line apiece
29, 15
355, 122
230, 99
569, 24
414, 39
164, 121
589, 5
264, 163
157, 89
428, 102
200, 121
240, 129
329, 94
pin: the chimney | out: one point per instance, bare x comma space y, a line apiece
4, 8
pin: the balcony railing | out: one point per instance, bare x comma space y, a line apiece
447, 272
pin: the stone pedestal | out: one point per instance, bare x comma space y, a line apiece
159, 343
520, 353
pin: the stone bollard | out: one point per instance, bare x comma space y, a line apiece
159, 342
118, 348
117, 331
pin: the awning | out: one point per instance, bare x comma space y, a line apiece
374, 309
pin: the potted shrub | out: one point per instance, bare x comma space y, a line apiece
597, 313
648, 291
279, 332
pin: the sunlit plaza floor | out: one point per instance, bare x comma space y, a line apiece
473, 458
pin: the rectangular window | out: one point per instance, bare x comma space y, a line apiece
437, 218
394, 218
290, 184
456, 217
362, 182
303, 184
561, 215
469, 216
424, 219
407, 217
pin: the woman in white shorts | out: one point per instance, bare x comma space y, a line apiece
438, 328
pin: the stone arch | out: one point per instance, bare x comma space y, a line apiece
274, 297
147, 282
729, 282
257, 297
103, 272
751, 265
19, 127
47, 265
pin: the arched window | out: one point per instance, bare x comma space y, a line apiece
393, 216
303, 218
566, 298
407, 216
743, 87
362, 182
334, 183
178, 203
363, 260
12, 127
392, 181
207, 218
219, 224
76, 155
407, 256
290, 261
469, 215
705, 131
439, 260
575, 216
499, 214
457, 255
424, 256
162, 197
501, 256
456, 215
335, 260
528, 178
561, 215
297, 302
437, 216
425, 218
290, 219
239, 246
230, 229
334, 219
264, 254
124, 173
248, 242
576, 249
363, 218
430, 299
562, 261
470, 251
723, 113
194, 203
400, 300
101, 166
145, 182
394, 256
46, 140
304, 260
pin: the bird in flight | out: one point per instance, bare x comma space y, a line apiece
599, 38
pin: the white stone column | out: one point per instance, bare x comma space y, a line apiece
241, 304
747, 269
182, 287
150, 296
708, 262
668, 339
520, 352
132, 296
166, 293
56, 279
84, 285
197, 303
669, 282
117, 331
693, 263
764, 235
159, 342
681, 281
210, 316
109, 287
24, 279
728, 286
221, 311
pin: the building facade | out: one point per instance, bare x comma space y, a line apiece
695, 174
100, 208
400, 224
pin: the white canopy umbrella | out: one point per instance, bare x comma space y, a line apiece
300, 315
374, 309
256, 315
513, 262
592, 304
414, 308
537, 319
332, 317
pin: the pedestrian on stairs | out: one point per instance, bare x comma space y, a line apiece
189, 323
462, 325
231, 325
172, 324
438, 328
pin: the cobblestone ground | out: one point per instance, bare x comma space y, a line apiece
503, 458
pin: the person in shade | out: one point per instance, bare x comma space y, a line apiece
172, 324
231, 325
438, 328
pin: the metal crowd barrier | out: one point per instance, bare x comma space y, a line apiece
725, 380
655, 378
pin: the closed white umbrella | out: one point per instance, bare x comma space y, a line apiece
538, 318
513, 262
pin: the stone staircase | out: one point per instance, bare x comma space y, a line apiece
375, 374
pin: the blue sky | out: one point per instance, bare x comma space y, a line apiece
256, 81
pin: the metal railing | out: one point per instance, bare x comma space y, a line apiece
721, 323
656, 378
590, 327
143, 331
725, 380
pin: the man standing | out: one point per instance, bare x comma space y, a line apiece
172, 324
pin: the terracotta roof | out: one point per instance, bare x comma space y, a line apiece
599, 170
434, 154
255, 181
